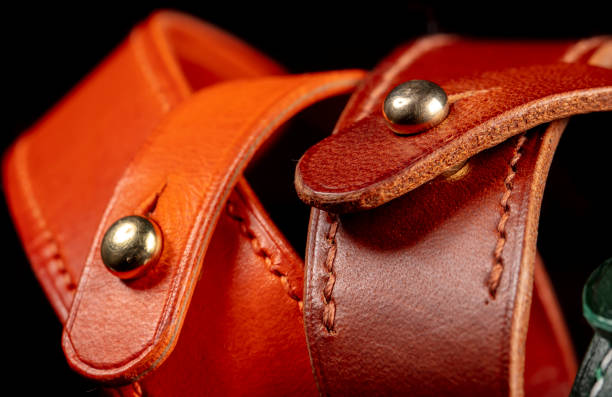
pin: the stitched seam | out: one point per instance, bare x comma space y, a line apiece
204, 235
48, 248
599, 374
498, 262
261, 252
137, 389
197, 229
329, 304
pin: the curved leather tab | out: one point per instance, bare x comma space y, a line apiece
251, 271
364, 164
59, 176
430, 294
118, 331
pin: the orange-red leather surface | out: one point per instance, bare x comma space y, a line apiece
60, 175
242, 333
180, 178
433, 289
247, 305
497, 93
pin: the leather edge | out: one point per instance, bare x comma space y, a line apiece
150, 357
522, 305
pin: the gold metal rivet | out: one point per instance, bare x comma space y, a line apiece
457, 172
415, 106
130, 246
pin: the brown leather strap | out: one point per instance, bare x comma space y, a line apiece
346, 172
430, 293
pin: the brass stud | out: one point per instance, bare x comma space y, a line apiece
457, 172
415, 106
131, 246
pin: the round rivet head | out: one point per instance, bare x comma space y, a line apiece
415, 106
131, 246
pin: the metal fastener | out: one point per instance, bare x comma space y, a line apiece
415, 106
130, 246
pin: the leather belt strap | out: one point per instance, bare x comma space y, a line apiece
118, 331
60, 176
489, 104
430, 293
249, 272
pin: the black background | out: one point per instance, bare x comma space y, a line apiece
47, 50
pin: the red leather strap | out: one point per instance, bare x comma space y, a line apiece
252, 272
243, 333
59, 176
118, 331
489, 103
430, 293
409, 297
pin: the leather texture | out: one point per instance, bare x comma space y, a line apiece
430, 293
119, 331
158, 130
99, 126
243, 333
504, 95
60, 176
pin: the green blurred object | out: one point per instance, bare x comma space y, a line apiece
594, 378
597, 299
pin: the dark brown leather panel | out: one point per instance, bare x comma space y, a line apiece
408, 310
429, 294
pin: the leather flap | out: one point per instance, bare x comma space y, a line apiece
128, 140
59, 176
120, 330
430, 294
66, 179
364, 164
